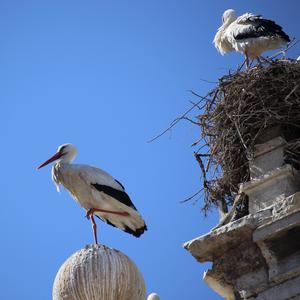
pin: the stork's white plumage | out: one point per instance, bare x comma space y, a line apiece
248, 34
97, 191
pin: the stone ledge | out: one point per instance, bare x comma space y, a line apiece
266, 179
211, 245
256, 244
275, 227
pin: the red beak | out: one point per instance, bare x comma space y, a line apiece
50, 160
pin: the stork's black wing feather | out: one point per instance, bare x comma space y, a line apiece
262, 27
120, 184
114, 193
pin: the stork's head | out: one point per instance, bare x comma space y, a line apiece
65, 153
228, 16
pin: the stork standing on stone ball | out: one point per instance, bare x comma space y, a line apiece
249, 34
97, 191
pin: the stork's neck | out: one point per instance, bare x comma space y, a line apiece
228, 22
230, 18
66, 160
61, 165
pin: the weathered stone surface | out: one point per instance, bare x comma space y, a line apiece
234, 255
289, 205
258, 256
252, 283
254, 253
213, 279
268, 156
272, 187
98, 272
285, 291
215, 243
269, 133
280, 244
271, 180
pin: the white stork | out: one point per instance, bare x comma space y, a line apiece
248, 34
97, 191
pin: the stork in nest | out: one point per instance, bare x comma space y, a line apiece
249, 34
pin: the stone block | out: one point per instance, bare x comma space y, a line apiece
286, 291
280, 245
218, 284
267, 156
268, 134
273, 187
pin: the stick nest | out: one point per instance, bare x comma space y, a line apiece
233, 117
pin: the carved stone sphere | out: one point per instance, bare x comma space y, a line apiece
153, 296
99, 273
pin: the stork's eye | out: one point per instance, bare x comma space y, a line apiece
62, 148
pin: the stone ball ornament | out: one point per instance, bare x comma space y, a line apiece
99, 273
153, 296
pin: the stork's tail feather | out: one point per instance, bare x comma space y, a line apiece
129, 226
136, 232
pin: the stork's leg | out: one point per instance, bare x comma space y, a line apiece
90, 215
240, 68
259, 60
247, 60
94, 228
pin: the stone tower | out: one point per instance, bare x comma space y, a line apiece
258, 255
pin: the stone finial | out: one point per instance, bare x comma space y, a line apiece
153, 296
98, 272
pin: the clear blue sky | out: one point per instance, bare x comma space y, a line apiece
107, 76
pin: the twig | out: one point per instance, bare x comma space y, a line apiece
178, 119
191, 197
187, 119
214, 82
